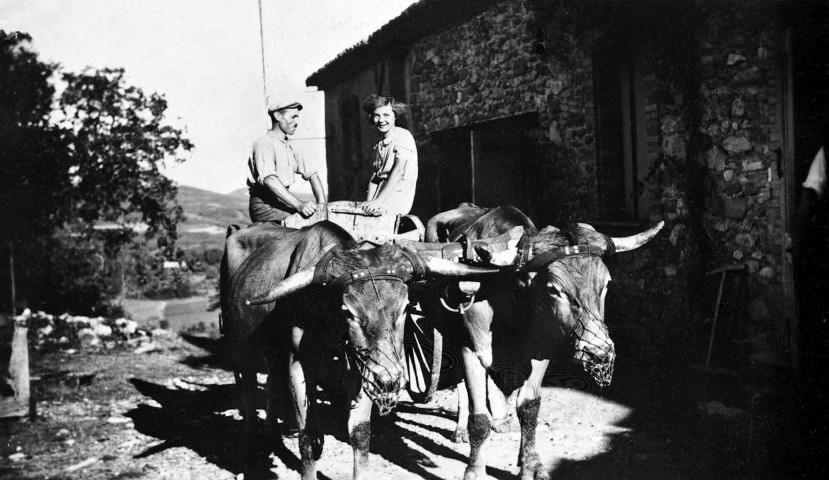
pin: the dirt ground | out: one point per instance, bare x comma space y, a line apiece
170, 414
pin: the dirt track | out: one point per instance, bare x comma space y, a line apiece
169, 414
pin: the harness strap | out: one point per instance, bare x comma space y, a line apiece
611, 247
558, 253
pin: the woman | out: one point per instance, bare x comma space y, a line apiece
393, 182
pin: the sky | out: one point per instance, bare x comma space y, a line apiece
205, 57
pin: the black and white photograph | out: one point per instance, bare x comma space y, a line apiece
414, 239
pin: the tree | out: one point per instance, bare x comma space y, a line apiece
119, 143
90, 156
34, 154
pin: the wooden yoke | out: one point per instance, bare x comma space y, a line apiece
362, 226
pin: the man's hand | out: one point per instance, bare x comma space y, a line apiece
373, 207
306, 209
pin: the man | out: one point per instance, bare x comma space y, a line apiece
272, 165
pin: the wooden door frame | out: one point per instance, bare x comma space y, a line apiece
789, 189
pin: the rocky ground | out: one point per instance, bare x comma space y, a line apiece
130, 401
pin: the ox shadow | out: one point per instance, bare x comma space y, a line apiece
216, 348
391, 441
193, 419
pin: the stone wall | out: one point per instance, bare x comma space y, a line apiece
710, 147
497, 65
740, 76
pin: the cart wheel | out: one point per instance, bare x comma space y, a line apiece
423, 346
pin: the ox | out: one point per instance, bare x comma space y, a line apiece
312, 301
554, 299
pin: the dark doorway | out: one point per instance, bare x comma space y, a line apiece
487, 163
807, 119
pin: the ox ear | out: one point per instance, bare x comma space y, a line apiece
625, 244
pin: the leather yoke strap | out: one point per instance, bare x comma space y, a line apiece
554, 255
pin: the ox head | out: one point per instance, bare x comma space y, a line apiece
569, 284
373, 282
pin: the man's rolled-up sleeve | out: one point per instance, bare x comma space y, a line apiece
263, 161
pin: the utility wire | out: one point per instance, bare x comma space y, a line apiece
262, 46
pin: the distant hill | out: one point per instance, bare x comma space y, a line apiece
208, 214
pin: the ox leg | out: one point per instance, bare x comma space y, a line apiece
478, 417
246, 400
498, 407
359, 433
461, 434
253, 457
529, 403
310, 439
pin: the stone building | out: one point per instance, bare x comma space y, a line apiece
705, 114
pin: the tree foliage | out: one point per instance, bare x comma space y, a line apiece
78, 151
119, 143
34, 154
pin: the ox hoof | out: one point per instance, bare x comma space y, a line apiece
461, 435
533, 469
475, 474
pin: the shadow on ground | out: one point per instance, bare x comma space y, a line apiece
685, 422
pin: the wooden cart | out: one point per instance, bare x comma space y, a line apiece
423, 344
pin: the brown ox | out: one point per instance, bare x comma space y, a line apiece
316, 306
552, 299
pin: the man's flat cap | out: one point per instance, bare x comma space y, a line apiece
276, 103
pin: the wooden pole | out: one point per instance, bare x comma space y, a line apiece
18, 371
11, 277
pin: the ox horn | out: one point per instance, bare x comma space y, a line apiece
297, 281
448, 268
625, 244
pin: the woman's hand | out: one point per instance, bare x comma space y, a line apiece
373, 208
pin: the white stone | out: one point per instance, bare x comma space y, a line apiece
103, 330
734, 58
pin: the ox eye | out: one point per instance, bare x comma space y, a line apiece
552, 288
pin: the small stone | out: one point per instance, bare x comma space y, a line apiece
69, 442
117, 420
88, 338
63, 432
16, 457
103, 330
738, 107
734, 58
736, 144
146, 348
161, 332
125, 326
735, 207
728, 175
749, 165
